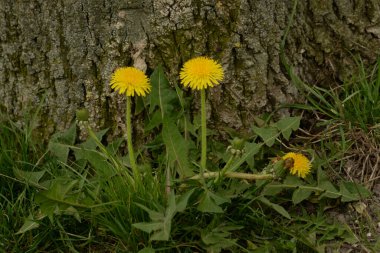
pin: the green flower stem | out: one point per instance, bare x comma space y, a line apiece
129, 139
225, 169
238, 175
204, 134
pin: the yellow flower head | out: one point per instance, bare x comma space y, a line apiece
297, 163
130, 80
201, 72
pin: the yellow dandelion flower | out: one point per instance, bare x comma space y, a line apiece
297, 163
130, 80
201, 72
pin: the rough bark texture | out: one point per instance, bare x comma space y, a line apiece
66, 51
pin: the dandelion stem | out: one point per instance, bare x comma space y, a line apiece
129, 138
237, 175
204, 134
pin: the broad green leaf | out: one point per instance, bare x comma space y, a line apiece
163, 234
154, 121
177, 149
153, 215
161, 222
293, 180
114, 146
73, 212
147, 250
218, 238
29, 224
88, 145
30, 177
268, 134
99, 162
219, 199
272, 189
250, 149
59, 188
352, 192
208, 205
275, 207
300, 194
60, 142
161, 95
148, 227
329, 189
287, 125
182, 200
47, 206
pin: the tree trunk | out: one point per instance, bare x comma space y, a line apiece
60, 54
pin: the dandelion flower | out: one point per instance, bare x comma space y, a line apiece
297, 163
201, 72
130, 80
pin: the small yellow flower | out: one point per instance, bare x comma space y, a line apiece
297, 163
130, 80
201, 72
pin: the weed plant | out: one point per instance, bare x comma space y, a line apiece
86, 195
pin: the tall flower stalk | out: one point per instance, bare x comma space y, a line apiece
200, 73
130, 81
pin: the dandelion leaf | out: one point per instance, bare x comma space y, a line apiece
268, 134
287, 125
300, 195
353, 192
177, 148
161, 95
30, 177
29, 224
275, 207
60, 143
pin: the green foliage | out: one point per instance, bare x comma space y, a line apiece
88, 192
177, 149
161, 221
284, 126
60, 142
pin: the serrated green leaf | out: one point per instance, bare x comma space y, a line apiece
352, 192
177, 149
300, 195
218, 237
272, 189
100, 163
161, 95
329, 190
287, 125
58, 189
183, 199
29, 224
208, 205
147, 250
60, 143
268, 134
47, 207
114, 146
161, 222
154, 121
153, 215
88, 145
73, 212
30, 177
293, 180
275, 207
148, 226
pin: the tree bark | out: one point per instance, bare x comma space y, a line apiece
60, 54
